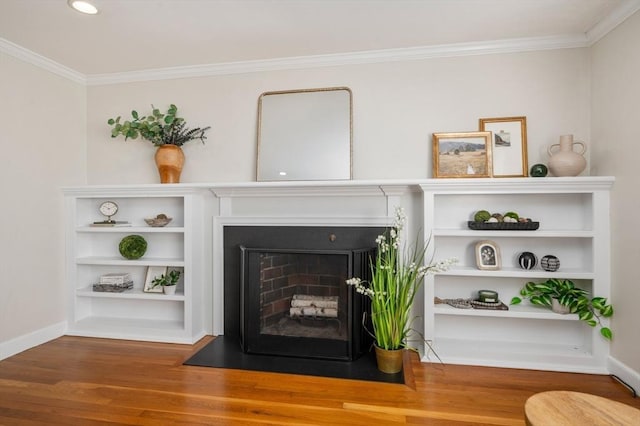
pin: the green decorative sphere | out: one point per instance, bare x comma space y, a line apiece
481, 216
133, 247
538, 170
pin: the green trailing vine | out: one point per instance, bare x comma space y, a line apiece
576, 299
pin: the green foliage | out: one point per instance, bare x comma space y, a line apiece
158, 128
576, 299
395, 281
167, 280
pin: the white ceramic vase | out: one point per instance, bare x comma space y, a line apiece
565, 161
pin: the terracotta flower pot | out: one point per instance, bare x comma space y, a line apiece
389, 360
169, 159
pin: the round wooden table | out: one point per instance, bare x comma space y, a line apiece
564, 408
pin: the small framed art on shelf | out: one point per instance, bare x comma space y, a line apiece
462, 154
509, 147
487, 255
153, 272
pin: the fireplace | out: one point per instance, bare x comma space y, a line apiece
285, 291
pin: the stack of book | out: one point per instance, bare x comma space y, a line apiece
114, 283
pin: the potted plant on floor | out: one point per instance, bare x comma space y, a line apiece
562, 296
168, 281
395, 281
166, 131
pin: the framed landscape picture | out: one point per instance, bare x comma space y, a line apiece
462, 154
509, 145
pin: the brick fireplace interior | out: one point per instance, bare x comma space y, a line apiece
296, 302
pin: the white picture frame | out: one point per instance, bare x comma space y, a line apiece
488, 255
153, 272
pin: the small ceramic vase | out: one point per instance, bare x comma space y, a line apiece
566, 161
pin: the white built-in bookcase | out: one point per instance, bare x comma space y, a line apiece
93, 251
574, 226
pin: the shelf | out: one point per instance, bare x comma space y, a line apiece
129, 294
514, 354
119, 261
519, 311
512, 234
131, 329
130, 229
505, 272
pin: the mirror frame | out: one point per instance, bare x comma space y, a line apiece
285, 92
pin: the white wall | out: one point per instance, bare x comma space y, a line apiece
616, 94
43, 142
396, 108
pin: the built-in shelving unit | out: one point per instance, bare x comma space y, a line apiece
93, 251
574, 226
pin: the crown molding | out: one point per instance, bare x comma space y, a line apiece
341, 59
611, 21
40, 61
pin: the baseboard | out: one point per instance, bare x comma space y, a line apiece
625, 373
28, 341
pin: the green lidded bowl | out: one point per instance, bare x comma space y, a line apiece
133, 247
538, 170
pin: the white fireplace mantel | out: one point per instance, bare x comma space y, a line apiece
302, 203
390, 190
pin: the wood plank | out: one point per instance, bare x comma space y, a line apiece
87, 381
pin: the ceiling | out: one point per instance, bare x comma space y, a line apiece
137, 35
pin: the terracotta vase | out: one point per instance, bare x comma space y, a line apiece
566, 161
169, 159
389, 360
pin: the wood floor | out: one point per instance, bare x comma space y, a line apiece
85, 381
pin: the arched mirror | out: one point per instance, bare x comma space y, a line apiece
305, 135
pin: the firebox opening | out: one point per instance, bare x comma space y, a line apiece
296, 302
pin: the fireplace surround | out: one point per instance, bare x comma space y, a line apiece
266, 266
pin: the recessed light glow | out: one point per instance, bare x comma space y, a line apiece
282, 173
83, 7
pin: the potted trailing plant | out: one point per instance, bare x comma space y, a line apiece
395, 281
167, 131
168, 281
561, 293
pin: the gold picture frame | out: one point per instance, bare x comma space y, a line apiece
462, 155
509, 145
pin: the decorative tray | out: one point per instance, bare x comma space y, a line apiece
503, 226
